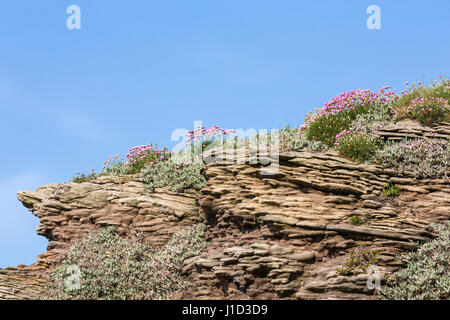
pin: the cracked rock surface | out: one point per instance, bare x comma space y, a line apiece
280, 236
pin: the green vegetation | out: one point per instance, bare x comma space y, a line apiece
357, 146
391, 190
292, 139
327, 127
356, 220
347, 123
427, 272
428, 110
421, 157
174, 177
337, 114
79, 178
440, 89
359, 260
138, 157
112, 268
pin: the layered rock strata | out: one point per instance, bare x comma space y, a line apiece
281, 236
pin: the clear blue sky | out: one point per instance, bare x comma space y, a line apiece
137, 70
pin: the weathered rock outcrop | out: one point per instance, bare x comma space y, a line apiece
271, 237
412, 129
285, 236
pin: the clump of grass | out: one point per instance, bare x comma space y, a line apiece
391, 190
427, 272
356, 220
111, 268
357, 146
80, 178
368, 122
116, 165
428, 110
359, 260
172, 176
293, 139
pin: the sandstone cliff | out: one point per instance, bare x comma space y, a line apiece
271, 237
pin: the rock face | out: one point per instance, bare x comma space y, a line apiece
271, 237
68, 210
412, 129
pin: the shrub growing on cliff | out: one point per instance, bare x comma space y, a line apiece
417, 91
422, 157
368, 122
427, 272
140, 156
428, 110
137, 158
295, 140
116, 165
337, 114
391, 190
172, 176
117, 269
80, 178
359, 260
207, 136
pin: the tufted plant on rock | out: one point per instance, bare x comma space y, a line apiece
428, 110
122, 269
392, 190
140, 156
295, 140
137, 158
116, 165
81, 177
359, 260
357, 220
439, 89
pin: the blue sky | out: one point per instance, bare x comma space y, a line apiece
137, 70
